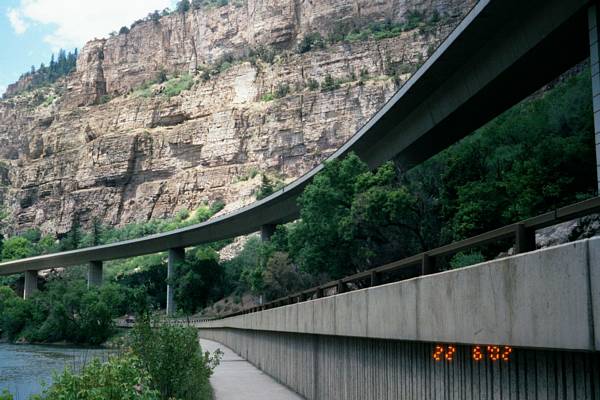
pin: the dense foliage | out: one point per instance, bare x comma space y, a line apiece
535, 157
65, 310
121, 378
174, 360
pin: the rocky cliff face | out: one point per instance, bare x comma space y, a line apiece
96, 145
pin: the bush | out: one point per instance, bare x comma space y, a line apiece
268, 97
175, 86
161, 76
124, 30
5, 395
174, 361
119, 378
281, 277
267, 187
329, 84
311, 41
16, 247
313, 84
465, 259
65, 310
282, 90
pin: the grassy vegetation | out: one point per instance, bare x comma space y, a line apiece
267, 97
174, 86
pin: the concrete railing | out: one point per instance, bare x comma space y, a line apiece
548, 298
377, 343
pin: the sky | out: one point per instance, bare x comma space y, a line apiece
31, 30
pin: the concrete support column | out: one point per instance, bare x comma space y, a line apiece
30, 283
94, 274
266, 231
594, 24
176, 255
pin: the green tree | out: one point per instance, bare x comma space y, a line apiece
199, 280
174, 360
281, 277
74, 238
183, 6
17, 247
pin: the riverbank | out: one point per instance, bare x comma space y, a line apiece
160, 362
23, 367
115, 341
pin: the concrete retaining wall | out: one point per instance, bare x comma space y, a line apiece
343, 368
548, 299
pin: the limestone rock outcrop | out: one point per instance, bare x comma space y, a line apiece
96, 145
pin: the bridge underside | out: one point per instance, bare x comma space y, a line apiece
346, 368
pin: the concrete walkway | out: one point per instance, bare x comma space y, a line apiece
237, 379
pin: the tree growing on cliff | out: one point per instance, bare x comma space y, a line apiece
183, 6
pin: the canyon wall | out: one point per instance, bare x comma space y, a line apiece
104, 143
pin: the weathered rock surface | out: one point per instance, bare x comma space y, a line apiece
133, 157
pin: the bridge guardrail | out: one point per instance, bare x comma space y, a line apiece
523, 233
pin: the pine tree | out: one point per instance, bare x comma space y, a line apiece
183, 6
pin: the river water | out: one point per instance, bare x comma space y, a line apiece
23, 368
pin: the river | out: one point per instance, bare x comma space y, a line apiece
24, 367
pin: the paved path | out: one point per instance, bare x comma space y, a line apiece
237, 379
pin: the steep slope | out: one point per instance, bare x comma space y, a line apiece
108, 141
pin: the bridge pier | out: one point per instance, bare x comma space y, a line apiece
594, 25
176, 256
266, 231
30, 285
94, 274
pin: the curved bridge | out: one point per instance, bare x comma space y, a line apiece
501, 52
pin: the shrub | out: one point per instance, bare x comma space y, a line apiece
264, 53
175, 86
66, 310
282, 90
161, 76
124, 30
119, 378
217, 206
465, 259
313, 84
281, 277
329, 84
16, 247
268, 97
267, 187
310, 41
174, 361
104, 99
